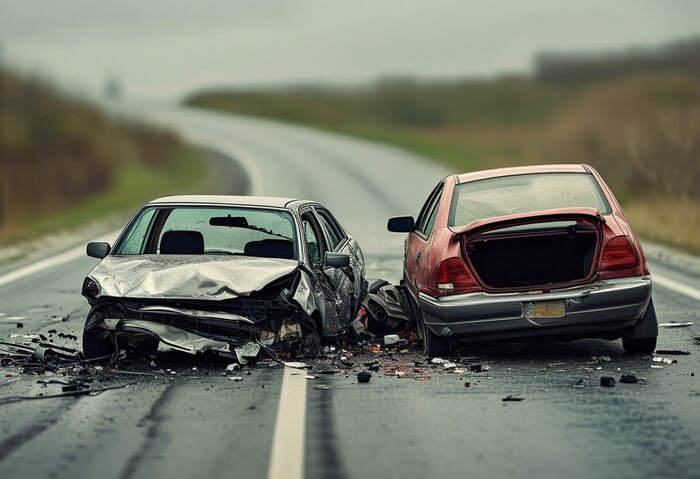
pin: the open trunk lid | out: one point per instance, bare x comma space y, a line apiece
533, 251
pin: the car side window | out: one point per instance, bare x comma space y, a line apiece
422, 219
331, 230
433, 214
135, 242
429, 213
312, 244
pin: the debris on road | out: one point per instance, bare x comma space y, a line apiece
579, 383
673, 324
672, 352
628, 379
363, 377
390, 339
607, 382
659, 359
322, 387
511, 398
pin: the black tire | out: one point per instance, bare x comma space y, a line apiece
435, 346
97, 346
639, 345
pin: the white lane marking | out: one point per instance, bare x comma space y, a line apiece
676, 286
51, 261
287, 456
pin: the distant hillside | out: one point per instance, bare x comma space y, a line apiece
64, 162
634, 117
578, 69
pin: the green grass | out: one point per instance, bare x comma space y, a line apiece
135, 184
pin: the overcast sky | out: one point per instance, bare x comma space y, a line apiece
170, 47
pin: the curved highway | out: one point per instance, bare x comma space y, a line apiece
198, 423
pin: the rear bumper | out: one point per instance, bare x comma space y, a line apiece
595, 309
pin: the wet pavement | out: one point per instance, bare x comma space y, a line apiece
200, 423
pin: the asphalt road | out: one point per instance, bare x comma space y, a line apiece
200, 423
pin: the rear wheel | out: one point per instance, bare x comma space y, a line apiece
434, 345
639, 345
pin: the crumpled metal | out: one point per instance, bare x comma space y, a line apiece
205, 277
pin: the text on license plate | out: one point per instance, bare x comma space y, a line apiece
545, 309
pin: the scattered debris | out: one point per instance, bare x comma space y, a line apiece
467, 384
628, 379
439, 361
235, 378
363, 377
390, 339
659, 359
579, 383
322, 387
673, 324
511, 398
296, 365
673, 352
20, 325
233, 367
607, 382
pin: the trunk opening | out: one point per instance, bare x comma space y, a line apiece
534, 255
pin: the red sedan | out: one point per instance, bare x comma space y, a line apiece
522, 253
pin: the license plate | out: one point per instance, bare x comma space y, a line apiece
545, 309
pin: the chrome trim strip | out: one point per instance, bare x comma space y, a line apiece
599, 287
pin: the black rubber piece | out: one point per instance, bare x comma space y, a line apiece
607, 382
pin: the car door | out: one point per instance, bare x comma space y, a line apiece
416, 255
350, 281
315, 244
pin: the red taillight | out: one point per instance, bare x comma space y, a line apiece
453, 277
618, 254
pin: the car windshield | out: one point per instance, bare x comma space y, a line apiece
210, 230
507, 195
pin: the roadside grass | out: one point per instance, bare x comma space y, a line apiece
134, 185
641, 131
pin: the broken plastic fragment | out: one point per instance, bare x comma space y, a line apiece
363, 377
512, 398
391, 339
247, 352
296, 365
675, 325
628, 379
439, 361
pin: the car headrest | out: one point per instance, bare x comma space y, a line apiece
270, 248
182, 242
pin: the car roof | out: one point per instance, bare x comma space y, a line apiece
522, 170
267, 201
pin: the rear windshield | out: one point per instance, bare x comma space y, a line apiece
210, 230
509, 195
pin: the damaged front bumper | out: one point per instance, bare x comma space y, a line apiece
596, 309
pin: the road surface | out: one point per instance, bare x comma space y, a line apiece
275, 423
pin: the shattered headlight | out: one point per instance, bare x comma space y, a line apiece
90, 288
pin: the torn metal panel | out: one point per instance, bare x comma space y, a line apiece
194, 313
304, 296
176, 338
187, 276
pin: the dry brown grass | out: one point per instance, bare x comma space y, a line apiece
674, 221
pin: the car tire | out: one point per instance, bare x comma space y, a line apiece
97, 345
435, 346
639, 345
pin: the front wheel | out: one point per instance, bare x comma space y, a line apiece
97, 344
639, 345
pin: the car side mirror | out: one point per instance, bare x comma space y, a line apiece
401, 224
98, 249
337, 260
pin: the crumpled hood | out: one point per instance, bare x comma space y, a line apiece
203, 277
